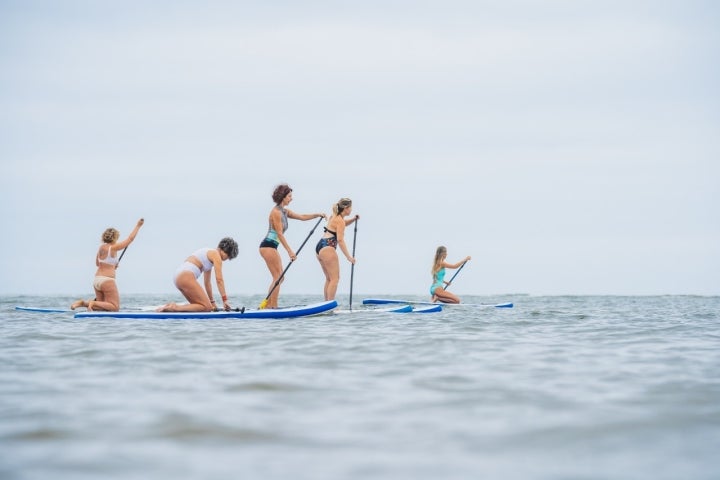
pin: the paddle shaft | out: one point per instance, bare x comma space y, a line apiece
125, 249
291, 261
352, 266
453, 277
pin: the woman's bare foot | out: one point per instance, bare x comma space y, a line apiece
168, 307
79, 303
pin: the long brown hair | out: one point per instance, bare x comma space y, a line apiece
440, 255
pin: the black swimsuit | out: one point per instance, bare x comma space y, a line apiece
326, 241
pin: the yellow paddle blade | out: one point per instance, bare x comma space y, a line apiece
263, 304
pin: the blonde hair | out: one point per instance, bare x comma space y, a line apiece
341, 205
110, 235
440, 255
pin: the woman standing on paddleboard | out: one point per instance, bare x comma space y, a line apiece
277, 225
107, 297
326, 248
437, 289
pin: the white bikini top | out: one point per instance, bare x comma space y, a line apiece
202, 255
109, 259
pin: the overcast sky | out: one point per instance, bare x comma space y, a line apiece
568, 146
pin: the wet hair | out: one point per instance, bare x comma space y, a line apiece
281, 192
229, 246
110, 235
440, 253
341, 205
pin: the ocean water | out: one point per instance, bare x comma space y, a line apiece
554, 388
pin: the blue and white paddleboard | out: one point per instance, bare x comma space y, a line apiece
388, 301
267, 313
43, 310
397, 309
404, 308
427, 308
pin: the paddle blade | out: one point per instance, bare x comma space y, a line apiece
263, 304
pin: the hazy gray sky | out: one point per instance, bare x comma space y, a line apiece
570, 147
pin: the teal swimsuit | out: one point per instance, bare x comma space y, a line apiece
439, 280
271, 238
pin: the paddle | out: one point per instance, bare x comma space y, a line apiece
236, 309
264, 303
140, 223
121, 255
453, 277
352, 267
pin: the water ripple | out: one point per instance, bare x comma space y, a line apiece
557, 387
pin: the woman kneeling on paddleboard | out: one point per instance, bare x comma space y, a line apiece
437, 289
202, 261
107, 297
